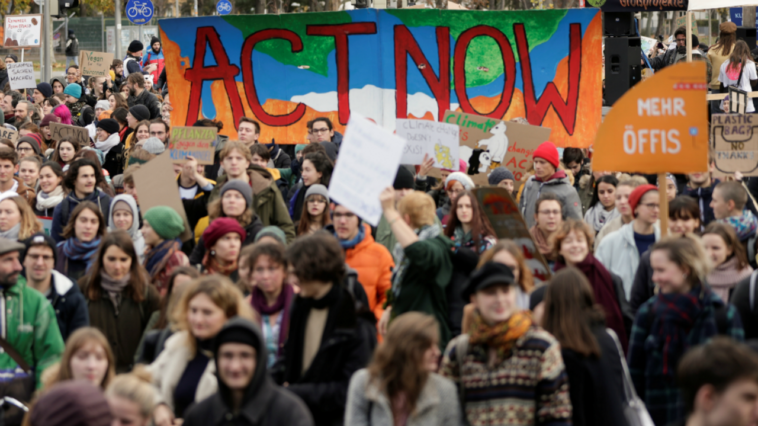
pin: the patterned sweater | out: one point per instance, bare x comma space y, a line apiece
528, 388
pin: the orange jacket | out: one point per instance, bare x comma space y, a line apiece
374, 265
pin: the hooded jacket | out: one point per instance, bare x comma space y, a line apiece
559, 185
618, 253
134, 232
68, 303
263, 404
63, 210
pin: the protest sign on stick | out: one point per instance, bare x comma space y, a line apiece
95, 64
734, 143
197, 142
22, 31
21, 75
423, 137
74, 133
503, 213
149, 195
369, 158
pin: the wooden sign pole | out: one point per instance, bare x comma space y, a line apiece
663, 212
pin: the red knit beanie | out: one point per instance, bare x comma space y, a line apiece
220, 227
638, 193
548, 152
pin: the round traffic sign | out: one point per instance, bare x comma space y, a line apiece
224, 7
139, 12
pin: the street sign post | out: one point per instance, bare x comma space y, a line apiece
139, 12
224, 7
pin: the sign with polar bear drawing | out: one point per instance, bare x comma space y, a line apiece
424, 137
486, 144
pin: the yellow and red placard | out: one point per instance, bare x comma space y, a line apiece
659, 126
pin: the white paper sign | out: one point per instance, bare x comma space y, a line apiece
21, 75
22, 30
437, 140
369, 158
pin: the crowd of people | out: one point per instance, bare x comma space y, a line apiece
270, 303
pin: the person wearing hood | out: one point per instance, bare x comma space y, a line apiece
125, 216
154, 55
548, 178
108, 142
246, 394
59, 84
72, 49
43, 91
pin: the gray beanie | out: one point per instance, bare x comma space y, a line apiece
500, 174
154, 145
318, 189
241, 187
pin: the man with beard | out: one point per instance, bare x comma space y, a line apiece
10, 100
139, 95
679, 53
154, 56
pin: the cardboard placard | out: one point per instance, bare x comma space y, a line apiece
734, 143
659, 126
369, 158
6, 133
60, 131
197, 142
95, 64
21, 75
160, 169
487, 143
22, 30
505, 218
423, 137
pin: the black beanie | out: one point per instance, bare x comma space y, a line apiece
135, 46
403, 179
109, 125
140, 112
237, 331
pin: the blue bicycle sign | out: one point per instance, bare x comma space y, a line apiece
139, 12
224, 7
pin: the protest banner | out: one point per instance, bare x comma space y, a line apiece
74, 133
22, 30
149, 195
197, 142
543, 65
487, 143
95, 64
47, 224
423, 137
21, 75
734, 143
6, 133
507, 222
369, 158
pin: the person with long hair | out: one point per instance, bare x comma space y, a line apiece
88, 356
119, 296
65, 152
183, 373
223, 241
400, 385
62, 112
506, 367
48, 105
137, 140
468, 226
685, 313
720, 53
548, 219
161, 227
270, 295
455, 183
727, 256
572, 247
76, 253
116, 100
739, 71
603, 205
315, 214
592, 360
131, 399
317, 169
17, 219
124, 215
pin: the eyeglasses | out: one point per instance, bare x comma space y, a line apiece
324, 130
550, 212
338, 216
72, 73
681, 40
24, 149
652, 205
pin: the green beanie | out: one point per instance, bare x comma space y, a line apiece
272, 231
165, 221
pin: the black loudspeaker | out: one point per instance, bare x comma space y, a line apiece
622, 66
747, 35
618, 24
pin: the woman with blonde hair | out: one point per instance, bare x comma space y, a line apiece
88, 356
400, 386
719, 53
17, 219
131, 398
184, 372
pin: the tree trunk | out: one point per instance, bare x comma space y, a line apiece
661, 23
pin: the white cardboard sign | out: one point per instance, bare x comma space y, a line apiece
369, 158
21, 76
437, 140
22, 30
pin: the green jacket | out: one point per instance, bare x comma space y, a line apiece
31, 328
385, 237
422, 286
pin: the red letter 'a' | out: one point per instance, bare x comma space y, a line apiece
246, 58
405, 44
509, 67
340, 33
536, 110
199, 74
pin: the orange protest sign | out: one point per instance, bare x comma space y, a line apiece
659, 126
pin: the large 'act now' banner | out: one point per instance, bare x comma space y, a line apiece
284, 70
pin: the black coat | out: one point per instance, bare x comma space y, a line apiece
251, 230
68, 303
147, 99
114, 160
464, 263
73, 269
748, 314
643, 287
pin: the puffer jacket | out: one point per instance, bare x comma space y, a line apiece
558, 184
618, 253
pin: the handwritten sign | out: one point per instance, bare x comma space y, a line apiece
95, 64
22, 30
197, 142
21, 75
659, 126
6, 133
369, 157
506, 220
734, 143
437, 140
73, 133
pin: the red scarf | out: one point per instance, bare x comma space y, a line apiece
212, 266
605, 295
